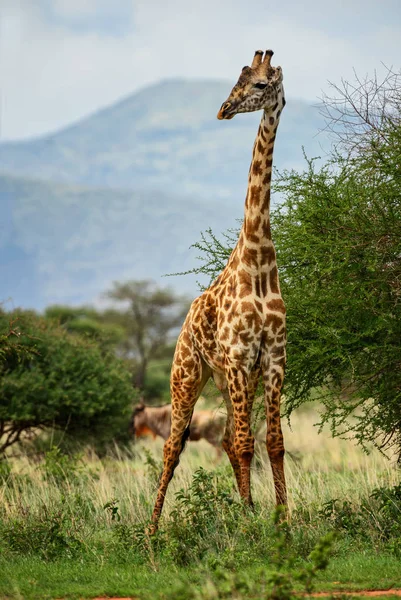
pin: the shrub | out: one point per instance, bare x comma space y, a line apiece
64, 381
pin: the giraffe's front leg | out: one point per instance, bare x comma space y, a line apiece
237, 379
273, 376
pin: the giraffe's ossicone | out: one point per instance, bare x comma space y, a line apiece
235, 331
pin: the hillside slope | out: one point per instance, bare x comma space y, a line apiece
164, 137
63, 243
125, 192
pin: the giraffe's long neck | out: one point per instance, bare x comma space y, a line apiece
255, 248
256, 227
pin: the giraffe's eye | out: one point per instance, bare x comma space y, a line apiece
260, 85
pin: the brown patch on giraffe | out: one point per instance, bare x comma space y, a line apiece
259, 305
269, 163
270, 148
263, 283
274, 322
271, 120
254, 197
185, 338
185, 351
257, 167
245, 284
267, 178
245, 337
247, 307
276, 379
266, 231
229, 317
252, 225
211, 320
260, 147
253, 321
252, 237
277, 304
274, 280
250, 257
277, 354
234, 262
267, 254
208, 333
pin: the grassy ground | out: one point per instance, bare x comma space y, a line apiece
75, 527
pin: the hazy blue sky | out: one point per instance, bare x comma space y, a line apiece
62, 59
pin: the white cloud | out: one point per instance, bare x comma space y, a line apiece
72, 8
52, 74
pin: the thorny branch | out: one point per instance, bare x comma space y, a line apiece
364, 111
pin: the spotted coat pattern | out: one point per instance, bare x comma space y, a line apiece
235, 331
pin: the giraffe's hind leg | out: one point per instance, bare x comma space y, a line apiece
228, 439
229, 432
238, 390
241, 401
188, 378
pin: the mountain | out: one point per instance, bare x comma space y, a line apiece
65, 244
125, 192
164, 137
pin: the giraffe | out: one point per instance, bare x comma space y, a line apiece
235, 331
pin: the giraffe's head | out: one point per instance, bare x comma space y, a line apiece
259, 86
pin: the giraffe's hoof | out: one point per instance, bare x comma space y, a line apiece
151, 529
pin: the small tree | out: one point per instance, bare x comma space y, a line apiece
50, 378
151, 316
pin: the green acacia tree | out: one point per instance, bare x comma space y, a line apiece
150, 317
52, 378
337, 232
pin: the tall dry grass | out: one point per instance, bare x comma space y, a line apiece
318, 468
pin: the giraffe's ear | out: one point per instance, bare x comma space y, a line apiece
246, 67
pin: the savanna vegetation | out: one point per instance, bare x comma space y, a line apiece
74, 526
73, 517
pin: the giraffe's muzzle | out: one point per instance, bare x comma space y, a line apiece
227, 111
